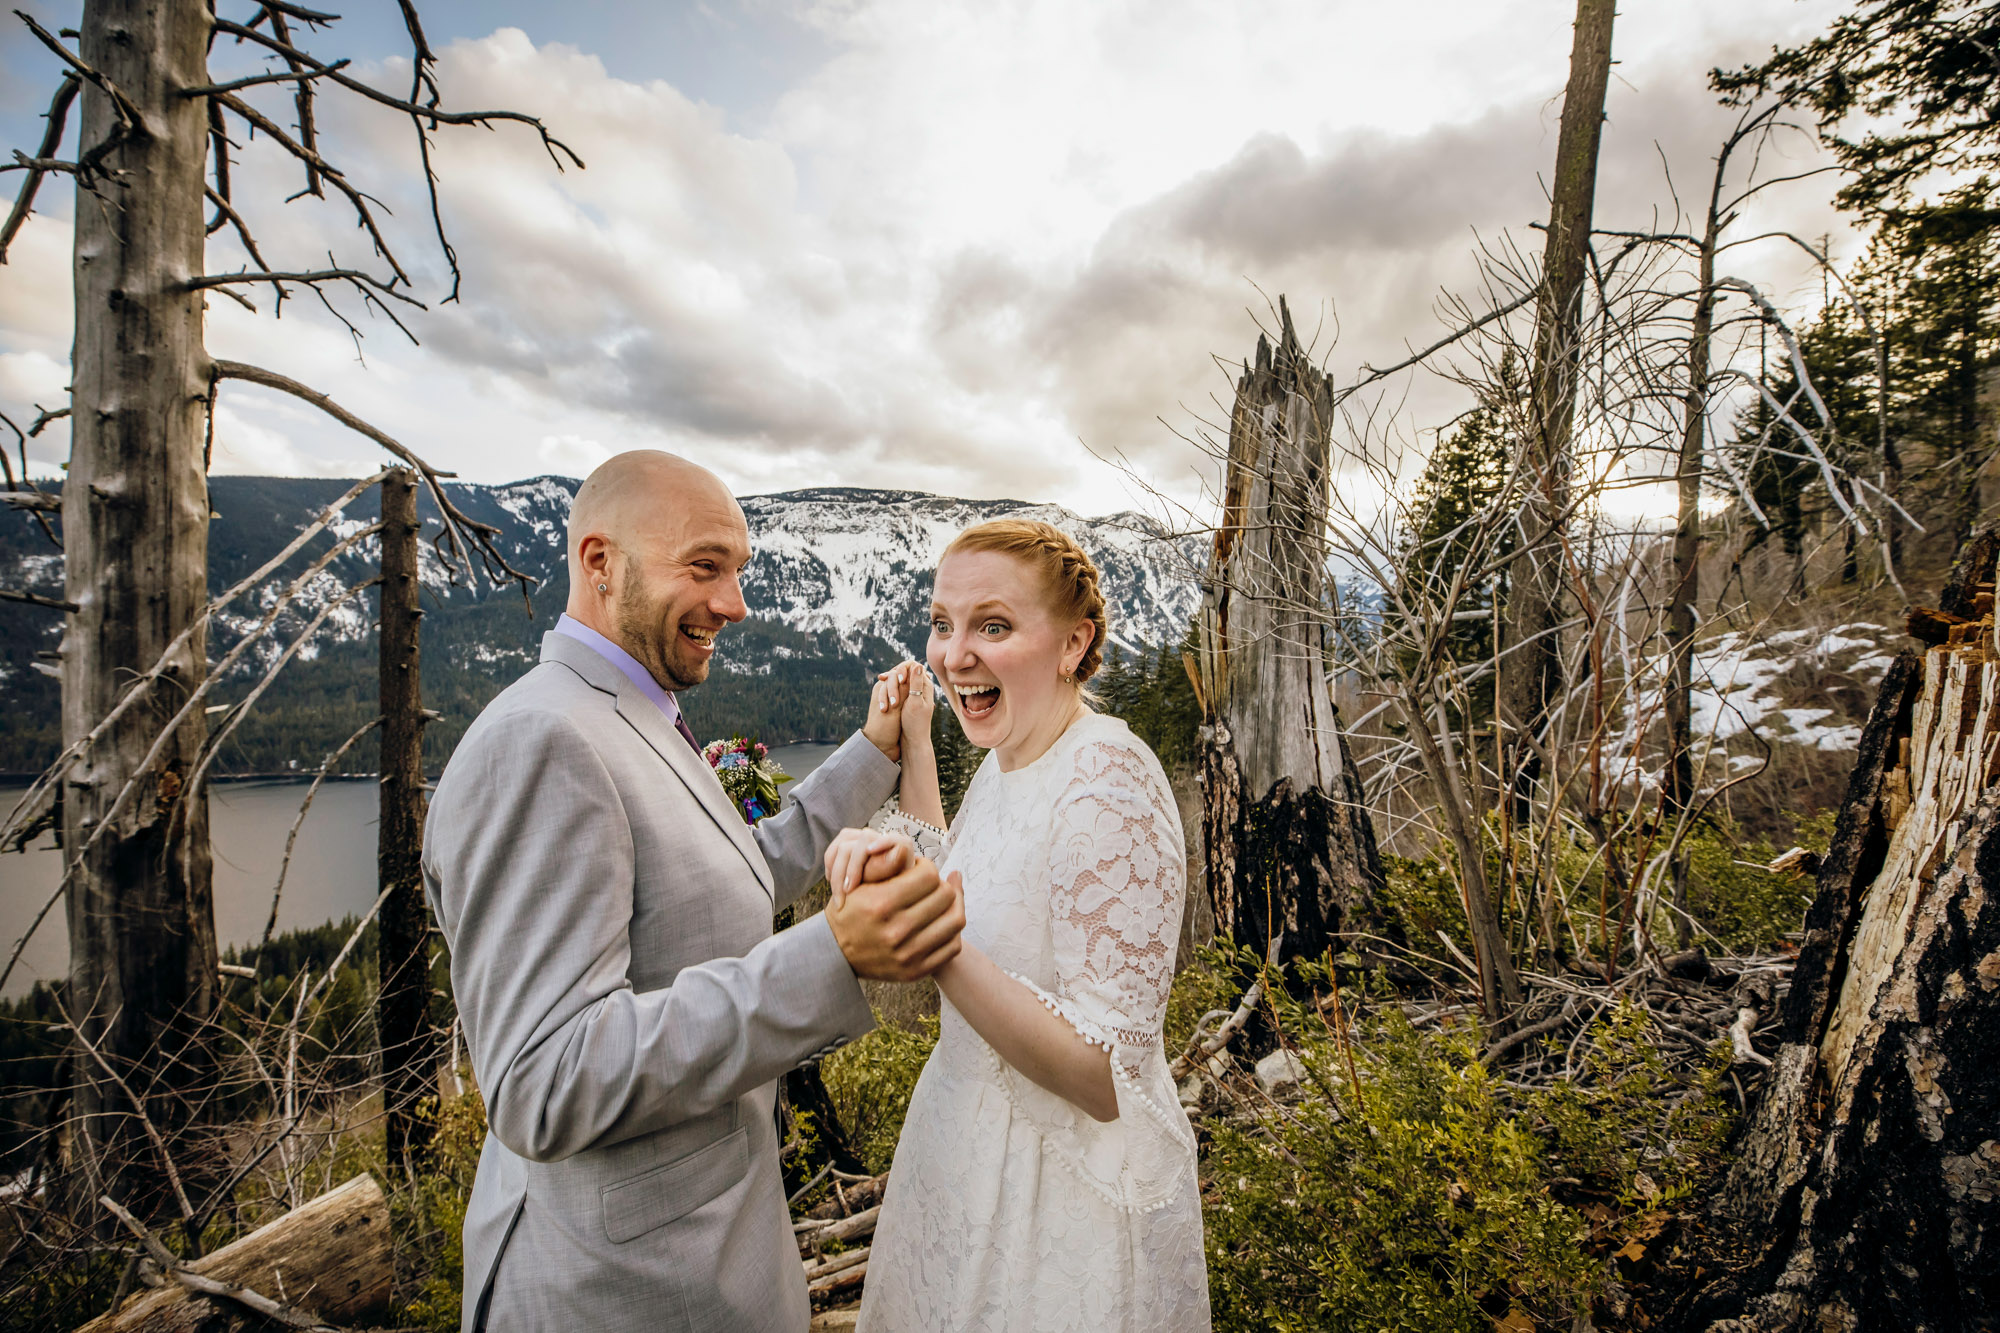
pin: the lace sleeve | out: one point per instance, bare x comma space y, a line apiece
929, 838
1118, 880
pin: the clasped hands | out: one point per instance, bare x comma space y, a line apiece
892, 916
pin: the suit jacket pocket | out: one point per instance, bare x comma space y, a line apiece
651, 1199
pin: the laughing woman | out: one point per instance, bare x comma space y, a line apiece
1045, 1178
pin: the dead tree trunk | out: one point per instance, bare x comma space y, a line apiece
1867, 1190
403, 1001
1288, 842
1531, 669
1679, 786
142, 980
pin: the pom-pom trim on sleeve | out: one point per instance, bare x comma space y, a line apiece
1131, 1095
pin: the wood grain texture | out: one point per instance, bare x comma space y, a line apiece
330, 1257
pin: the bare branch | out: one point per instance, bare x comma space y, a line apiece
481, 534
22, 493
258, 80
302, 99
366, 215
291, 839
138, 1107
36, 599
131, 121
227, 213
300, 12
355, 276
555, 147
1370, 375
24, 202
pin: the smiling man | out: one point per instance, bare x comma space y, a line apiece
609, 915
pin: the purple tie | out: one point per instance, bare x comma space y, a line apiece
680, 725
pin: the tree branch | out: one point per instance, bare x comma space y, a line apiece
481, 534
355, 276
550, 143
258, 120
36, 599
257, 80
302, 99
226, 213
131, 121
24, 202
299, 12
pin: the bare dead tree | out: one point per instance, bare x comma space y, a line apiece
1530, 680
153, 155
1290, 850
403, 1002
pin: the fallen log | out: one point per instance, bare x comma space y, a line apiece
328, 1261
842, 1228
840, 1286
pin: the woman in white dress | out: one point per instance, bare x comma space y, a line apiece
1045, 1178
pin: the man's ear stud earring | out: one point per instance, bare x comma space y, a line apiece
602, 588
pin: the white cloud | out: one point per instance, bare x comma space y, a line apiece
976, 235
571, 455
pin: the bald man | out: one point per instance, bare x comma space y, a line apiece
626, 1004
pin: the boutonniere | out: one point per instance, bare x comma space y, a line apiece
748, 774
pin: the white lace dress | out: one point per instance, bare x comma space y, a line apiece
1008, 1208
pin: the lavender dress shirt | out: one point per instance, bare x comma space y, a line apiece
662, 697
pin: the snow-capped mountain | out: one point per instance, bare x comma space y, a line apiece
839, 585
857, 563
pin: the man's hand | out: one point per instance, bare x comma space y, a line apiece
901, 922
884, 723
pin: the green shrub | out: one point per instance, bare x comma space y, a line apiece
431, 1214
1419, 1204
1625, 1127
1747, 908
870, 1082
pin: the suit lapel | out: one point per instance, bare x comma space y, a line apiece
644, 717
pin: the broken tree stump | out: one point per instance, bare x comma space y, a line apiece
329, 1257
1866, 1190
1286, 836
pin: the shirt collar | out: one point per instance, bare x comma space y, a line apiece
662, 698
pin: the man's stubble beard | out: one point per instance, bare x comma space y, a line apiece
645, 630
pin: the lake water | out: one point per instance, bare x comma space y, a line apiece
332, 874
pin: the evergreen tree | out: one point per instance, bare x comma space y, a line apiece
1447, 542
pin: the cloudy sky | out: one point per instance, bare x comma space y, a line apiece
971, 248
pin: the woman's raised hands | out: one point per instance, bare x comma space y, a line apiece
889, 703
918, 693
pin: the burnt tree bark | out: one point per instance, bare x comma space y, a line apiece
1286, 834
403, 1000
142, 977
1866, 1190
1531, 668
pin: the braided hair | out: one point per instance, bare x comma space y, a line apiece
1068, 576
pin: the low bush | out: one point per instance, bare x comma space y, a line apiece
870, 1081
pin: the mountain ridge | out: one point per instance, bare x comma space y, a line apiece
838, 587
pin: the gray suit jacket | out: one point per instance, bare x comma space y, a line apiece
627, 1007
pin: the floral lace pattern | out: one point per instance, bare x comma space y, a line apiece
1008, 1207
929, 838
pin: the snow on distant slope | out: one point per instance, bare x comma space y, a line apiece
857, 563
